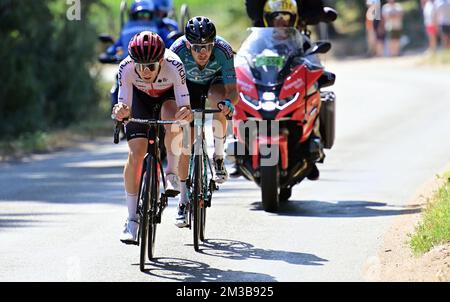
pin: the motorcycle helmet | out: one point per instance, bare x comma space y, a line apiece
285, 9
142, 9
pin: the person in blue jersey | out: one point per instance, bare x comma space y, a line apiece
146, 15
209, 65
140, 19
163, 8
166, 25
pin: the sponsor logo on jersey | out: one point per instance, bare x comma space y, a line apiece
121, 69
179, 66
225, 47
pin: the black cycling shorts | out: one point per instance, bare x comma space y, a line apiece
145, 107
199, 92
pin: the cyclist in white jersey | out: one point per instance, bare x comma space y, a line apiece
152, 81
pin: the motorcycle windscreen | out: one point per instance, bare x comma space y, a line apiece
266, 51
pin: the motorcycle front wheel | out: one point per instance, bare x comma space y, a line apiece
270, 180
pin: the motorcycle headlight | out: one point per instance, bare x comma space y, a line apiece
269, 106
288, 100
250, 101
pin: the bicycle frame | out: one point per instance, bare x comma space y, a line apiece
199, 148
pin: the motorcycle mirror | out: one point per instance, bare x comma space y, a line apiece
330, 14
105, 38
319, 47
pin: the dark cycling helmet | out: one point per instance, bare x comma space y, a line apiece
146, 47
200, 30
141, 6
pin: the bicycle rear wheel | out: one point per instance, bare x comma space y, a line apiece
207, 195
144, 198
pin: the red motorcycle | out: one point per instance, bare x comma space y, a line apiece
282, 113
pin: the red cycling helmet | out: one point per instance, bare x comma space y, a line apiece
146, 47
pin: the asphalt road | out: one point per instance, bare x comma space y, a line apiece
61, 214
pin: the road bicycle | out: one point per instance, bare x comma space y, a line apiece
200, 186
151, 202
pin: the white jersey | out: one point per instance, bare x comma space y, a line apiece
393, 15
443, 12
429, 13
171, 76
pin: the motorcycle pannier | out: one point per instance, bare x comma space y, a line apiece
327, 118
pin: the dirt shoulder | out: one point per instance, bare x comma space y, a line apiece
395, 261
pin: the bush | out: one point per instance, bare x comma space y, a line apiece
46, 80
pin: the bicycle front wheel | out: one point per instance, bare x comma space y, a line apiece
202, 222
144, 198
198, 199
154, 197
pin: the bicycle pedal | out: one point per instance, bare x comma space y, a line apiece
130, 242
213, 186
170, 194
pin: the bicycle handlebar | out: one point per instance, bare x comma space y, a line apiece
157, 122
151, 121
207, 111
139, 121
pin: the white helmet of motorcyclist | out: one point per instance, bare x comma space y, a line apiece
280, 13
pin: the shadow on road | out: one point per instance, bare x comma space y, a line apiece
19, 220
342, 208
238, 250
193, 271
70, 177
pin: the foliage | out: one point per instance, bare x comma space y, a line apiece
435, 226
46, 59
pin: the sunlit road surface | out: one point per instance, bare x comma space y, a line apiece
61, 214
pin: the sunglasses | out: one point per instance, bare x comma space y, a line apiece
283, 16
143, 15
151, 66
199, 47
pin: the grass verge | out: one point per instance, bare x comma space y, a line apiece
43, 142
439, 58
434, 229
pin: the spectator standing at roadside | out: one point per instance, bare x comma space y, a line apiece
443, 19
393, 24
431, 25
370, 29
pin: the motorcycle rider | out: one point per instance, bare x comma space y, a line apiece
163, 8
142, 17
313, 11
166, 26
284, 13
